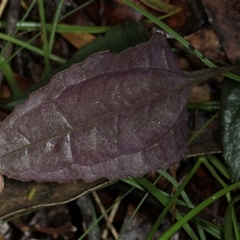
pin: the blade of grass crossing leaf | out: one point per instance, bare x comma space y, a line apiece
169, 204
30, 47
179, 38
45, 38
54, 25
161, 198
170, 232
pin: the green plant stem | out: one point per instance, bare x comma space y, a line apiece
198, 209
30, 47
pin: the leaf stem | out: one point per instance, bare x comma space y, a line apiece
45, 38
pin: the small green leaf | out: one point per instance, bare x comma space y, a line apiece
230, 123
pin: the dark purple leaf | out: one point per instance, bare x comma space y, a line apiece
110, 116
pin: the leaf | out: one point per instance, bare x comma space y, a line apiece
13, 199
110, 116
231, 126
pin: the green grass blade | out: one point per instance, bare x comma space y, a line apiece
219, 166
215, 175
198, 209
200, 231
17, 25
210, 106
161, 198
137, 208
54, 25
176, 185
30, 47
7, 71
169, 204
45, 38
76, 9
132, 182
60, 28
18, 51
230, 220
